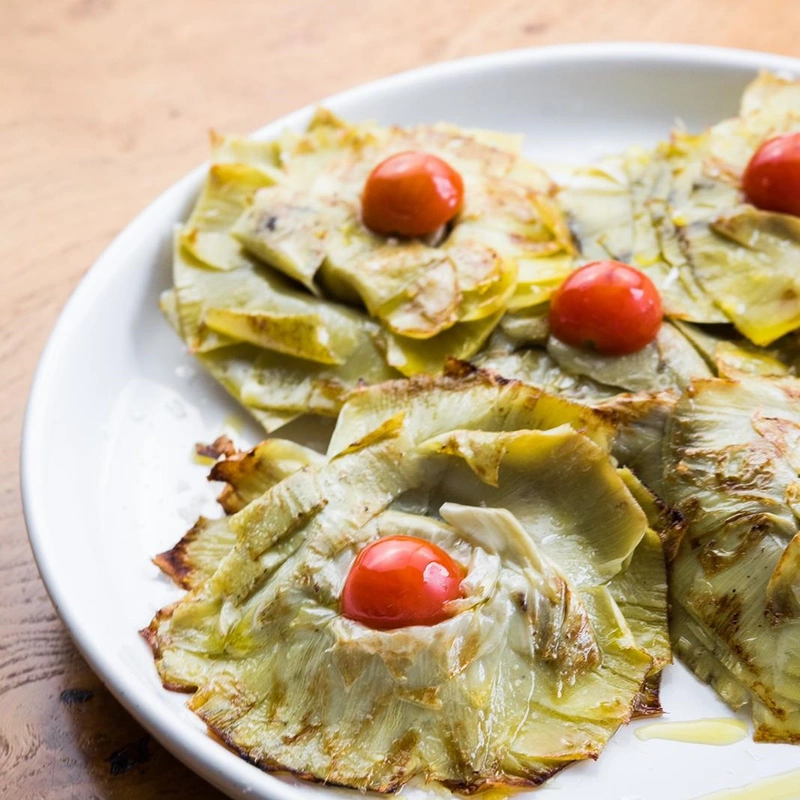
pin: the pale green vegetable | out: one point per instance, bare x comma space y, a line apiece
748, 261
246, 475
527, 327
274, 386
227, 191
279, 382
274, 254
308, 226
731, 467
256, 305
258, 155
676, 213
743, 258
639, 419
537, 368
732, 356
429, 356
558, 639
669, 362
231, 367
462, 398
617, 211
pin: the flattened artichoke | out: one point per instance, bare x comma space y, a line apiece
677, 213
731, 467
618, 210
558, 639
275, 255
308, 226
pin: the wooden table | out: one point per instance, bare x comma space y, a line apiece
104, 103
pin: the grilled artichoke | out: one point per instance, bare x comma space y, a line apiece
732, 468
559, 638
308, 225
274, 255
677, 213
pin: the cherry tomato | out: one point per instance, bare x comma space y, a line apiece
399, 581
608, 306
771, 180
411, 194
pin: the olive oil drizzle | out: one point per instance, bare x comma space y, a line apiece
701, 731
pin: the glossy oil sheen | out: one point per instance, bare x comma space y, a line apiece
721, 731
776, 787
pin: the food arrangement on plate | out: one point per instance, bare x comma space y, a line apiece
566, 445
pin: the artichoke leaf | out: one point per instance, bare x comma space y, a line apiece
731, 468
464, 397
639, 419
528, 327
198, 554
228, 189
231, 367
485, 280
309, 225
430, 356
732, 356
256, 305
247, 475
617, 210
641, 422
283, 384
287, 231
783, 589
747, 260
534, 475
669, 362
730, 452
256, 154
561, 629
537, 368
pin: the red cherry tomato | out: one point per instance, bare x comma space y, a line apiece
608, 306
771, 180
411, 194
399, 581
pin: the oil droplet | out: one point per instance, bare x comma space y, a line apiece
499, 793
778, 787
699, 731
234, 423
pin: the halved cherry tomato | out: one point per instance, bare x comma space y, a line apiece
399, 581
608, 306
771, 180
411, 194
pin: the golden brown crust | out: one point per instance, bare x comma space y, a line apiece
648, 702
233, 470
176, 562
221, 446
463, 787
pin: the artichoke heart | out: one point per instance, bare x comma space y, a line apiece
558, 638
308, 225
732, 467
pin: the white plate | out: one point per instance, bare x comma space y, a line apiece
116, 406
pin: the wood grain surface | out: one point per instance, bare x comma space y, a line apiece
104, 103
